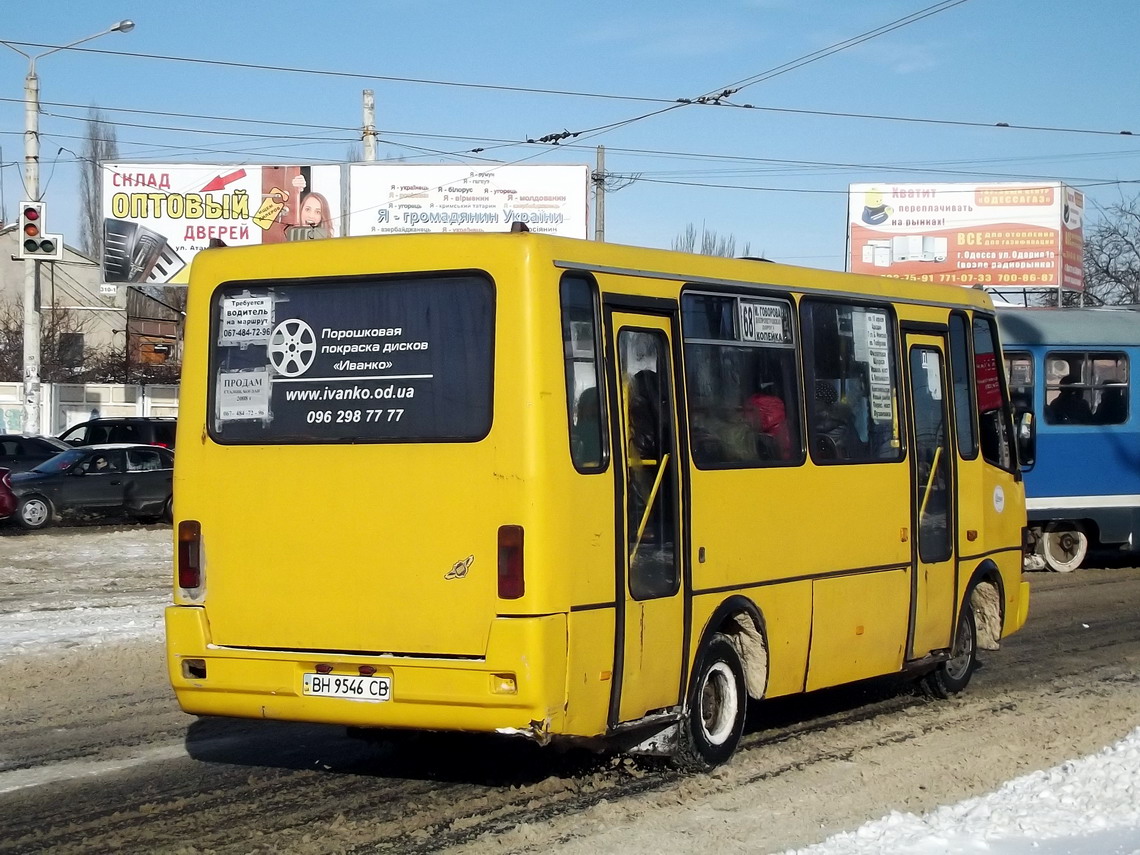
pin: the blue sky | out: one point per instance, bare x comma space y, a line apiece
783, 165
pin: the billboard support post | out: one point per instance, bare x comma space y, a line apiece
369, 133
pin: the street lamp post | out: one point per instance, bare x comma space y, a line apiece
32, 189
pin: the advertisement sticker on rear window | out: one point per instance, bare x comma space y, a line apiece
359, 361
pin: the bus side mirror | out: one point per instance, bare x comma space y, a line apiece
1026, 440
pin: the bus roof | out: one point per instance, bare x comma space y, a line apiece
1096, 327
459, 249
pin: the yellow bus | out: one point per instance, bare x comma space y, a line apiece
521, 484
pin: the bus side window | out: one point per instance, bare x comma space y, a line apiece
963, 390
589, 446
993, 411
741, 381
851, 378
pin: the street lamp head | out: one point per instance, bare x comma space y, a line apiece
123, 27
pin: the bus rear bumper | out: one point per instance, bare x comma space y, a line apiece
519, 687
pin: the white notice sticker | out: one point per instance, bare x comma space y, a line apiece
243, 395
245, 320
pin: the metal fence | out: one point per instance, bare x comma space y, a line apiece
65, 404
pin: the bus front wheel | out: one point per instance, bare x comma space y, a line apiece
714, 721
1064, 549
953, 675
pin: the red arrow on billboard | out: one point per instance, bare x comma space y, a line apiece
221, 181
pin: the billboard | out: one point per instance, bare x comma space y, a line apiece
401, 198
1017, 235
157, 216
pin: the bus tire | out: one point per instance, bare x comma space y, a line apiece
34, 512
718, 702
953, 675
1064, 549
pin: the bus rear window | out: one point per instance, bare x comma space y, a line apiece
361, 360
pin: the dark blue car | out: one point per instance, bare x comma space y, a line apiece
97, 480
20, 452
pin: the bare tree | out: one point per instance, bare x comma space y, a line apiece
708, 243
64, 358
99, 144
1112, 254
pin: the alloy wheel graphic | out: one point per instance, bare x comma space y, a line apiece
292, 347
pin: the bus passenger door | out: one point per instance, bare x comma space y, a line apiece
934, 509
650, 614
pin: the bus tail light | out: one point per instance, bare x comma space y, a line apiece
511, 583
189, 554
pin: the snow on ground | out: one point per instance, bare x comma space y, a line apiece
84, 586
1089, 806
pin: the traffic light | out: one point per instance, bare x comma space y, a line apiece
34, 242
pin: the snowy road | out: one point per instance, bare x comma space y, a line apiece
88, 721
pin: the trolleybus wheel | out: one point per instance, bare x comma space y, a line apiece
718, 701
1064, 550
952, 676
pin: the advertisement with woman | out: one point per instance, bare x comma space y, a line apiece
158, 216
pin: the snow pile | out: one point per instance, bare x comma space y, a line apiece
82, 586
1089, 806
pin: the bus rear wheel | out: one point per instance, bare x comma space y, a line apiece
1064, 549
718, 701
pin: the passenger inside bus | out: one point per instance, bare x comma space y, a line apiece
1070, 406
834, 424
1113, 409
767, 415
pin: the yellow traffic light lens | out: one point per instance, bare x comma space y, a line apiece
31, 230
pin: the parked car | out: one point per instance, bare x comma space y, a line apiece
109, 479
150, 430
20, 452
8, 501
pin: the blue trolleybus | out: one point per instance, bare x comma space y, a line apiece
1071, 385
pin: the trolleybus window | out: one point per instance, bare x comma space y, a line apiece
740, 366
1086, 388
850, 375
1019, 376
366, 360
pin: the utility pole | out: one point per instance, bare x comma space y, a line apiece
369, 135
32, 265
32, 193
600, 196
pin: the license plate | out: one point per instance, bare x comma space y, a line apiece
353, 688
